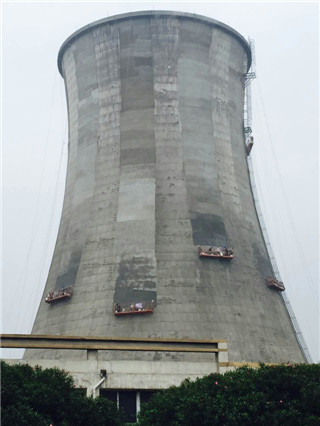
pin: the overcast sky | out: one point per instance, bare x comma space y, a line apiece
285, 99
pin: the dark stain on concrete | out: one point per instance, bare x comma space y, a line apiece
135, 281
142, 61
262, 262
129, 296
69, 277
208, 229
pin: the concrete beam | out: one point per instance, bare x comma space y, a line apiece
241, 364
110, 343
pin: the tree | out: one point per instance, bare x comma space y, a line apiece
271, 395
40, 397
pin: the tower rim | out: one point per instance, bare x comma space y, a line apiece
153, 13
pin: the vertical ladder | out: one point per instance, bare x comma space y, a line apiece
248, 77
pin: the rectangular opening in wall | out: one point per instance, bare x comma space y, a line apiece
127, 401
111, 395
145, 396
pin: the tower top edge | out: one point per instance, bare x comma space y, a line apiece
153, 13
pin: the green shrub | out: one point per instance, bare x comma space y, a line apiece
271, 395
40, 397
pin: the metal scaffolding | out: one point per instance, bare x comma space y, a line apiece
248, 78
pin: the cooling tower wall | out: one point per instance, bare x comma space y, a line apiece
157, 166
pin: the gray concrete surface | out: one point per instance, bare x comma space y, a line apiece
123, 374
157, 165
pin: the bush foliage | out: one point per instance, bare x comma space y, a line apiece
40, 397
271, 395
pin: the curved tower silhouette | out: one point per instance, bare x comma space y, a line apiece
157, 167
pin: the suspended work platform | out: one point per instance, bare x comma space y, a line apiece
63, 293
274, 283
216, 252
249, 145
133, 308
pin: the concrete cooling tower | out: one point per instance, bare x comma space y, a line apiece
158, 167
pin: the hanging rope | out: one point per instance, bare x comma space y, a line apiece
25, 298
41, 279
21, 294
278, 184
